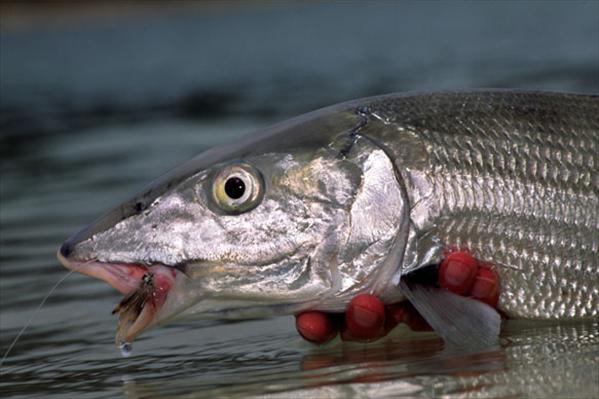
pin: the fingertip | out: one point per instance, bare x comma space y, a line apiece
364, 318
486, 286
316, 327
457, 272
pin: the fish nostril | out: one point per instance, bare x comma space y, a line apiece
66, 249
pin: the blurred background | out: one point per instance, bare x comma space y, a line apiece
97, 98
70, 65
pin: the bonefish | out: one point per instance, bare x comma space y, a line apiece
352, 198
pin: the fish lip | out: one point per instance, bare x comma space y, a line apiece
128, 279
124, 277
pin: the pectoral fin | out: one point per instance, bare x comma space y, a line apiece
460, 321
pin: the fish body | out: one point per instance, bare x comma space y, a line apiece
511, 177
350, 198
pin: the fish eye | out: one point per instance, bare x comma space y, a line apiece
238, 188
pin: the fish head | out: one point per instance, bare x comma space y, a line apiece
299, 218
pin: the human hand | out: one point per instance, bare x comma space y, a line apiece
368, 319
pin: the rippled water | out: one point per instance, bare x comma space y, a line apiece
92, 109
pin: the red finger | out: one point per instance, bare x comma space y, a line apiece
316, 327
457, 272
486, 286
364, 319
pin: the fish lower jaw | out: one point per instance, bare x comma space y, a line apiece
145, 290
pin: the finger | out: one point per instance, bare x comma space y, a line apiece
316, 327
457, 272
486, 286
364, 319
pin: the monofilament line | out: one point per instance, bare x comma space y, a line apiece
14, 342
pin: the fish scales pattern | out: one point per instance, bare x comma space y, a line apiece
515, 181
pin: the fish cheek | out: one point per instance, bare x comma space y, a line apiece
286, 245
277, 251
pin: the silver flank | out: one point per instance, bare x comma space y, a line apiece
512, 177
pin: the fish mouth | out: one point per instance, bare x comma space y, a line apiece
145, 290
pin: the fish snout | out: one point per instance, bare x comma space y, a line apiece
65, 249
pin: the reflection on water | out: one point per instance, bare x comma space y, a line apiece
534, 361
89, 113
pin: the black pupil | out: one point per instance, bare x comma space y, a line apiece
234, 187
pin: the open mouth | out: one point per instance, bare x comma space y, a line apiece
145, 289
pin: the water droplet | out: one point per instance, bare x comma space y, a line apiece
126, 349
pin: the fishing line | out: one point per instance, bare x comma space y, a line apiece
14, 342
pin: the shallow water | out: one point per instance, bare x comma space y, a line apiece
93, 108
